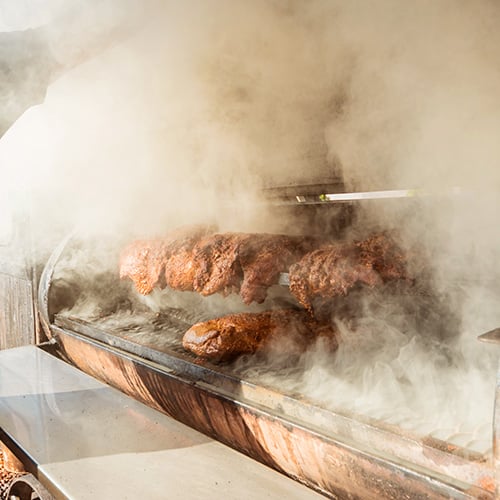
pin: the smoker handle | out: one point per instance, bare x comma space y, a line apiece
46, 282
491, 337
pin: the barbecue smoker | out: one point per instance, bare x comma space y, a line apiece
340, 454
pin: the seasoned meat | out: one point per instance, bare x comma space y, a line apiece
219, 263
216, 264
144, 261
248, 263
193, 260
180, 270
383, 255
228, 337
335, 269
185, 237
263, 257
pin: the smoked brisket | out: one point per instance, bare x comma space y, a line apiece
334, 269
144, 261
223, 263
289, 331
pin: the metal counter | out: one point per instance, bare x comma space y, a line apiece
87, 440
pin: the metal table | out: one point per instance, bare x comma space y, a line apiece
84, 439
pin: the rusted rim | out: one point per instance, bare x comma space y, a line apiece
24, 486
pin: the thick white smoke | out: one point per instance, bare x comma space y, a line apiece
212, 100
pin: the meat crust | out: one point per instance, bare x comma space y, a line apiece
225, 338
263, 257
381, 253
180, 270
245, 263
217, 268
335, 269
193, 260
144, 261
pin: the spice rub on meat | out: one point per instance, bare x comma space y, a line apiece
383, 255
213, 263
245, 263
225, 338
196, 259
216, 265
263, 257
145, 261
334, 269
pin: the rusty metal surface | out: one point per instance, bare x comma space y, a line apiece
334, 465
27, 487
10, 470
433, 454
9, 460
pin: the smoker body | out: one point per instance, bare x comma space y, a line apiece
336, 454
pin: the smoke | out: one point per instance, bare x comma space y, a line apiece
207, 101
27, 14
201, 105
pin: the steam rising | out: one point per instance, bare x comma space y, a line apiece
190, 116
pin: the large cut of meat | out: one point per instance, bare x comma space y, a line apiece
384, 256
195, 260
248, 263
334, 269
144, 261
263, 257
225, 338
216, 264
